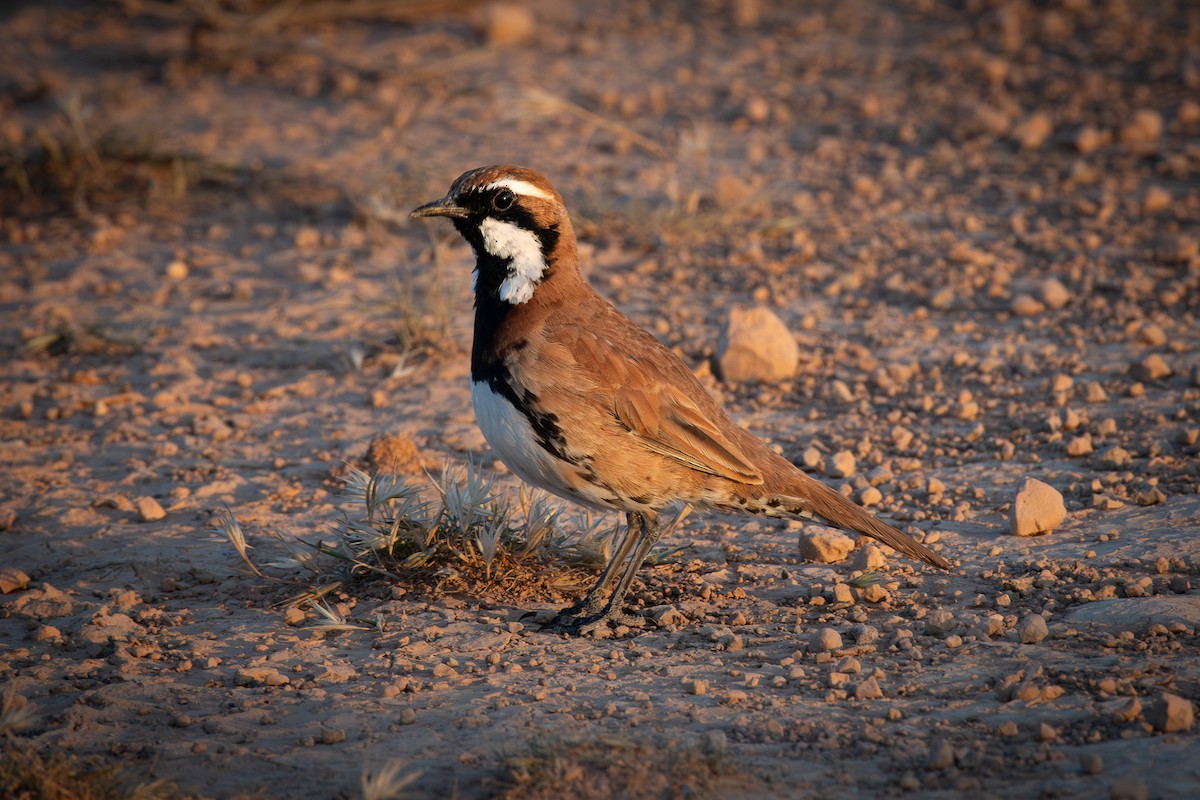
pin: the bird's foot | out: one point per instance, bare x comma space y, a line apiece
602, 623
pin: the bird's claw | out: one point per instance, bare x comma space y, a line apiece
576, 625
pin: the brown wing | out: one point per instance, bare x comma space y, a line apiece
649, 390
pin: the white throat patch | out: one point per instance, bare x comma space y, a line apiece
523, 250
520, 187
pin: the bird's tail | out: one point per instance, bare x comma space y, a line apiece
809, 499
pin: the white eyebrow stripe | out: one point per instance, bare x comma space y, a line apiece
520, 187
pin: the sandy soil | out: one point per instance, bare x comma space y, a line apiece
200, 305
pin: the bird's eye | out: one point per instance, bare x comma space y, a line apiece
503, 200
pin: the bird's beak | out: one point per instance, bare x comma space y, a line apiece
446, 207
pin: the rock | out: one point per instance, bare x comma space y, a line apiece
849, 665
1024, 305
1091, 763
1144, 127
1123, 709
148, 510
1148, 495
842, 593
840, 465
876, 594
1151, 368
868, 690
1156, 199
1094, 393
1188, 113
1037, 508
1090, 139
667, 616
396, 454
869, 558
332, 736
1032, 131
259, 676
1151, 333
1171, 713
307, 238
756, 346
939, 623
825, 546
870, 496
1177, 249
1115, 456
1032, 629
1054, 294
824, 640
864, 634
12, 580
508, 23
1080, 445
104, 628
177, 270
47, 633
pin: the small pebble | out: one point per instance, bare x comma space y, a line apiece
1171, 713
1054, 294
148, 510
868, 690
1151, 368
840, 465
825, 639
1037, 508
1032, 629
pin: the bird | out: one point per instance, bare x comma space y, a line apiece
577, 399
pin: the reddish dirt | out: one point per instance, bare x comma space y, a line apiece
203, 303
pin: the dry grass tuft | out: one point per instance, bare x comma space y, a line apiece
456, 532
606, 767
26, 773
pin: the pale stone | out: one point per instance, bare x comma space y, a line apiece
841, 465
1171, 713
1054, 293
1034, 130
1032, 629
825, 639
148, 510
825, 546
757, 346
508, 23
1037, 508
869, 558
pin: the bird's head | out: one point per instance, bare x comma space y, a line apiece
517, 225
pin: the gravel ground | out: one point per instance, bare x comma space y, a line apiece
980, 220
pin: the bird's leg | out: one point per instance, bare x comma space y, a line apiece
594, 599
611, 612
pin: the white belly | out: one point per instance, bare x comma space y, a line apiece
509, 433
